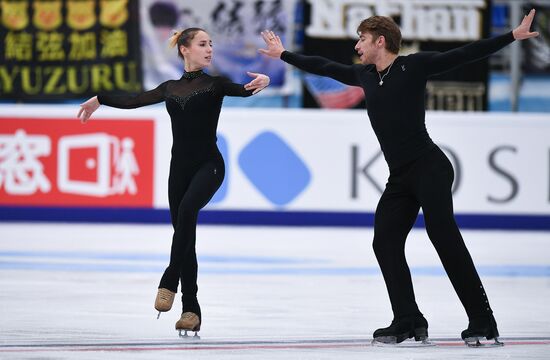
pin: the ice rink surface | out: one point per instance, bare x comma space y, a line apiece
73, 291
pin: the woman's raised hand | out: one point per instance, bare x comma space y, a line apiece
87, 109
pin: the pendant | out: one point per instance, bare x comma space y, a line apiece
380, 83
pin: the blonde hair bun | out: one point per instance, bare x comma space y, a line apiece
173, 40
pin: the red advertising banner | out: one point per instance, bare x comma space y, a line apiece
61, 162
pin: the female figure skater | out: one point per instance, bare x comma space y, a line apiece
196, 167
420, 174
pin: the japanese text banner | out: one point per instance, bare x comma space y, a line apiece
68, 49
64, 163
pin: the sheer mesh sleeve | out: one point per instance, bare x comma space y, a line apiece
134, 101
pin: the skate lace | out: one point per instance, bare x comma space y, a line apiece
165, 295
188, 316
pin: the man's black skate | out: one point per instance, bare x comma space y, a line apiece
479, 328
402, 329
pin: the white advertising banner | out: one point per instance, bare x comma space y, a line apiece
441, 20
331, 160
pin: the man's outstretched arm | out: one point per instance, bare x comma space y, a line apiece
440, 62
312, 64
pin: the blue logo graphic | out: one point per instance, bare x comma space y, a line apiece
274, 168
222, 191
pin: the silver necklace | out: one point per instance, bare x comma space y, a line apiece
383, 76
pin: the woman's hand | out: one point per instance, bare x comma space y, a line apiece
259, 83
523, 30
87, 109
274, 45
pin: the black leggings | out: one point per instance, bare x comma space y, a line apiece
425, 183
190, 188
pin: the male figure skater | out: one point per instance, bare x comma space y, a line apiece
420, 174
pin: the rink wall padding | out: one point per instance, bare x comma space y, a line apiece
288, 167
257, 218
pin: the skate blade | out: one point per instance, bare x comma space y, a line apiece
390, 341
186, 337
476, 342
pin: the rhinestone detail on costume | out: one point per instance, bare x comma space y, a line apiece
183, 100
192, 74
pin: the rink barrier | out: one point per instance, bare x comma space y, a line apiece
256, 218
292, 168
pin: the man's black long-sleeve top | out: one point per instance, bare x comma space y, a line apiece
397, 108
